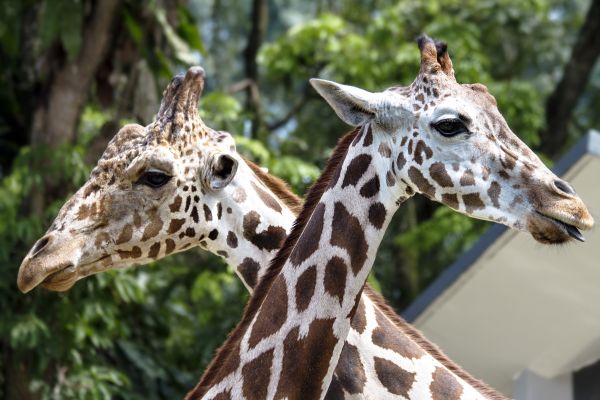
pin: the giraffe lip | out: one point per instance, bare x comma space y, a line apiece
570, 229
67, 275
62, 279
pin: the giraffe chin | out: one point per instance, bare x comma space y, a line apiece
551, 230
62, 280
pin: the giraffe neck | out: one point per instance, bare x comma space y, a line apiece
251, 224
365, 367
315, 284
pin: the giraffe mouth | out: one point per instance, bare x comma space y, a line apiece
568, 228
64, 279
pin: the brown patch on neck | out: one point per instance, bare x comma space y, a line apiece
213, 373
429, 347
277, 186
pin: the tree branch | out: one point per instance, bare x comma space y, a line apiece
562, 102
298, 105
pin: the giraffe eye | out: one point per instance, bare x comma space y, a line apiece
450, 127
154, 179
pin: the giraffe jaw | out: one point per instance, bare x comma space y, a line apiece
554, 228
64, 279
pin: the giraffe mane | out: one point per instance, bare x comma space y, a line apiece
428, 346
278, 186
262, 288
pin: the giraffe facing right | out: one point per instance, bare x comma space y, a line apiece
436, 137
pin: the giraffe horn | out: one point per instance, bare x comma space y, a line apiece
429, 61
434, 56
181, 95
444, 58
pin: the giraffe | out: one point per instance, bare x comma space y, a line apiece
243, 217
436, 137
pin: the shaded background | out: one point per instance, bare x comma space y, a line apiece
74, 71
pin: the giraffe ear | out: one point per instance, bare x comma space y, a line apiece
354, 106
222, 171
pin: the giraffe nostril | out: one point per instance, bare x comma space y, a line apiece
40, 245
564, 187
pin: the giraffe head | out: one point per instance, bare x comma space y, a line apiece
449, 142
156, 190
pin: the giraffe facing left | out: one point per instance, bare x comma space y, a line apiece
156, 168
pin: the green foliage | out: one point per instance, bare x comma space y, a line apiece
61, 20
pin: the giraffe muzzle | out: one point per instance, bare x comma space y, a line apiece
52, 263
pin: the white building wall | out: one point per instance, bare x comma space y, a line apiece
530, 386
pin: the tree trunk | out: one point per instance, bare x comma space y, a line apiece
56, 114
260, 21
55, 119
561, 103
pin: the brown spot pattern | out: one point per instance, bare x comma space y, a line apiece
401, 161
232, 240
451, 200
350, 370
270, 239
239, 195
334, 391
386, 335
438, 173
175, 225
152, 229
472, 202
256, 381
445, 386
389, 179
176, 204
305, 361
154, 250
385, 150
356, 169
207, 213
335, 278
249, 270
494, 193
347, 233
359, 320
420, 149
368, 137
170, 246
270, 317
125, 235
395, 379
101, 237
377, 214
135, 252
422, 183
305, 288
267, 198
308, 242
370, 188
467, 179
